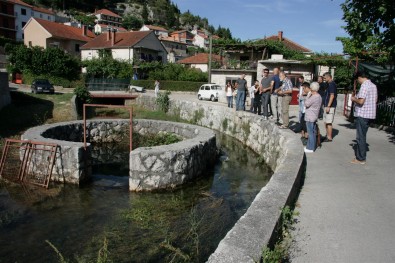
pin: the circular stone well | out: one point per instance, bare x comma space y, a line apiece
150, 167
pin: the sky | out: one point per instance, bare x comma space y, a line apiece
314, 24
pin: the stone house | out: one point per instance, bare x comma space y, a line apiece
159, 31
43, 33
176, 50
23, 12
200, 61
106, 17
7, 20
183, 36
103, 28
127, 46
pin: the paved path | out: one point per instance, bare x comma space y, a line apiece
347, 211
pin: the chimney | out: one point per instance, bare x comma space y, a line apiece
84, 28
108, 34
113, 37
280, 35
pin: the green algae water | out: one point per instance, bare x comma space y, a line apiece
182, 225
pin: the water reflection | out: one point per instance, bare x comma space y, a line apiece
185, 224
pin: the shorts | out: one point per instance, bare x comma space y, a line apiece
329, 117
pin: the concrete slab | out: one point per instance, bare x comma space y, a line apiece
347, 211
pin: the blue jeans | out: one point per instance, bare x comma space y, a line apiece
230, 101
312, 135
362, 126
240, 99
265, 103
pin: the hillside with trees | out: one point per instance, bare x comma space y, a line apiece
135, 13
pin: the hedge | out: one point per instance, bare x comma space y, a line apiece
169, 85
28, 78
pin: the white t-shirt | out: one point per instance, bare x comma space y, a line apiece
229, 92
252, 91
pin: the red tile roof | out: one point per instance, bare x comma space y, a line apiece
201, 58
19, 2
43, 10
289, 43
122, 39
156, 28
106, 12
116, 27
170, 39
63, 31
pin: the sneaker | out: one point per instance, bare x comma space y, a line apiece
307, 150
355, 161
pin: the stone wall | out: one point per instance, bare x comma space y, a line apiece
5, 97
167, 166
73, 162
150, 167
281, 149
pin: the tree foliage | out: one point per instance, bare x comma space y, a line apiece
39, 61
107, 67
131, 22
170, 71
371, 25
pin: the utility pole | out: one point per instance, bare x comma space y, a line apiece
209, 58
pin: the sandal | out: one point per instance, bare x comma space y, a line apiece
283, 127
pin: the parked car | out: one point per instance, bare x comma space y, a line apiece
210, 92
136, 88
41, 86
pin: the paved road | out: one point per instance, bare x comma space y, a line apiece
347, 211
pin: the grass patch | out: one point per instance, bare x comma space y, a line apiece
280, 251
29, 110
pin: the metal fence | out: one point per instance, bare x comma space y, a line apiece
386, 112
105, 84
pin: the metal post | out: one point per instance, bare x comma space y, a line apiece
209, 58
84, 116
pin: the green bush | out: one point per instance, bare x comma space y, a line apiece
28, 78
169, 85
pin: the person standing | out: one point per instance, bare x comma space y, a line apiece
252, 96
157, 84
241, 93
229, 94
321, 91
313, 104
301, 97
275, 100
257, 98
330, 104
266, 88
286, 93
364, 112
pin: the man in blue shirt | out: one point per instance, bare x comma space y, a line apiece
330, 103
275, 100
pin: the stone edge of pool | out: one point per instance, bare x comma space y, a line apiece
281, 150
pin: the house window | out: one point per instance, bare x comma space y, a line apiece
49, 18
4, 8
23, 11
23, 24
5, 23
41, 15
77, 48
30, 44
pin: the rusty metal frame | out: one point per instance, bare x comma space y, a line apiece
111, 106
29, 148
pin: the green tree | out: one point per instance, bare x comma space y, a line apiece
371, 25
145, 14
38, 61
131, 22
